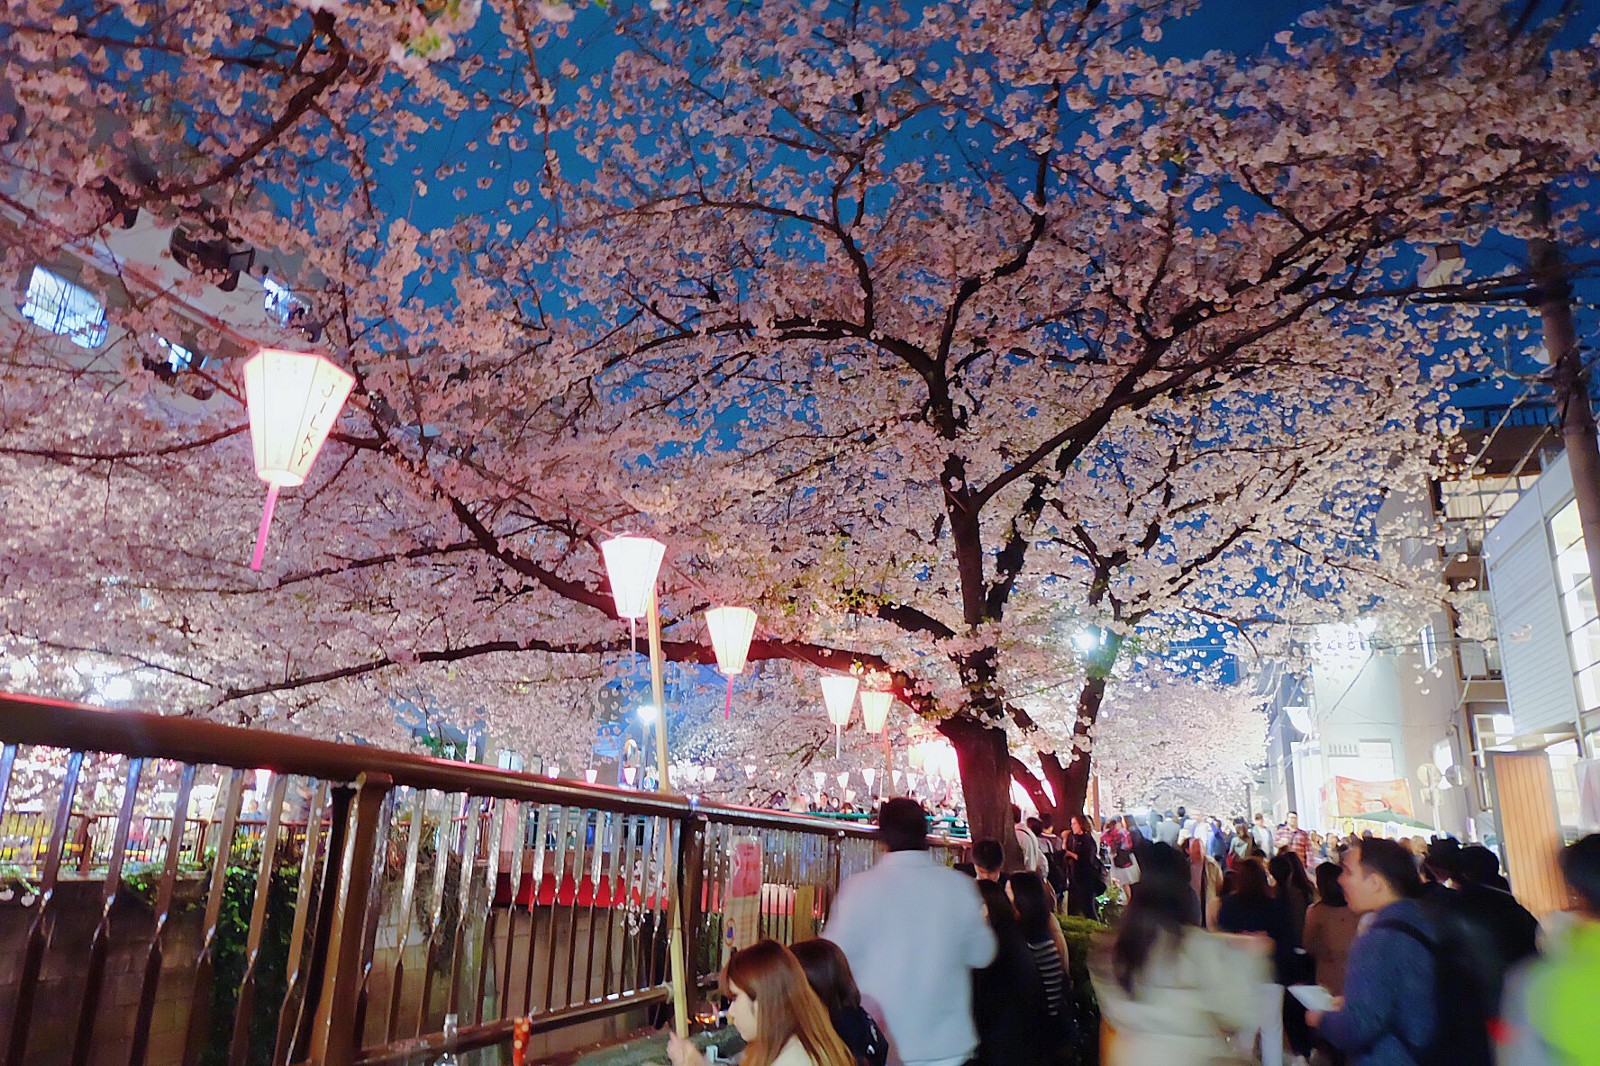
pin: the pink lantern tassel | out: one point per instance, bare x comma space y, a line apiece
727, 708
266, 521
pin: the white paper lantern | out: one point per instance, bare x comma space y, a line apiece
632, 564
294, 400
875, 707
731, 629
839, 695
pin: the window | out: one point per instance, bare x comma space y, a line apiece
56, 304
1565, 528
1586, 646
1589, 687
283, 306
1430, 646
179, 358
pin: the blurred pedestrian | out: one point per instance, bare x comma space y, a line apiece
913, 931
1172, 993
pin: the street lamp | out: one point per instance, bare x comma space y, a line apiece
839, 695
294, 398
632, 565
731, 629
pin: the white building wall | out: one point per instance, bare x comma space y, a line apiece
1522, 579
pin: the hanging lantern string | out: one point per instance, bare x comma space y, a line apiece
266, 522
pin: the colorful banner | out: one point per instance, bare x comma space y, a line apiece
1345, 797
741, 918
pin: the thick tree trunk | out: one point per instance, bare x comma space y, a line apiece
985, 761
1036, 790
1070, 782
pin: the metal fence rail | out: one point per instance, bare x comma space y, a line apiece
159, 902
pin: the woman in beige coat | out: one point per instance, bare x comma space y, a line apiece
1174, 994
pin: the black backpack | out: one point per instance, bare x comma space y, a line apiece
1461, 1021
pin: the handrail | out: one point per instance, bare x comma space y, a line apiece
75, 727
524, 895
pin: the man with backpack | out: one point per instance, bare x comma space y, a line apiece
1403, 1002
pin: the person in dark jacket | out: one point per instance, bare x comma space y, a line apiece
1492, 931
1036, 918
1250, 908
828, 974
1008, 998
1392, 1014
1085, 875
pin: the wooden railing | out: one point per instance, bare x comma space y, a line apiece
161, 907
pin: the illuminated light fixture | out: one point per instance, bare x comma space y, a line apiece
839, 695
819, 779
1300, 718
731, 629
294, 400
632, 564
628, 773
870, 776
590, 774
843, 778
875, 707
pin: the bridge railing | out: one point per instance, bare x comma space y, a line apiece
163, 900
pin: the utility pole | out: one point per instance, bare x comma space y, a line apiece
1569, 383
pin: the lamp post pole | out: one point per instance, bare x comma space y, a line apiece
680, 981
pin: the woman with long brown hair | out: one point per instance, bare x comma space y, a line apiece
780, 1018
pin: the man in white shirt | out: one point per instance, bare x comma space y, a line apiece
1263, 835
914, 931
1032, 852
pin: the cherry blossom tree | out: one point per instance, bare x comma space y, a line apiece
941, 337
1167, 741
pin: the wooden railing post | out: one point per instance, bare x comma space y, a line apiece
334, 1039
691, 887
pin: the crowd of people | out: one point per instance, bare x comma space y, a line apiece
1390, 955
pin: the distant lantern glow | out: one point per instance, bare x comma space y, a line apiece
819, 778
839, 695
632, 564
875, 708
843, 779
731, 629
870, 776
294, 400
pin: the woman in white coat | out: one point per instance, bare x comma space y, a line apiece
1171, 992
